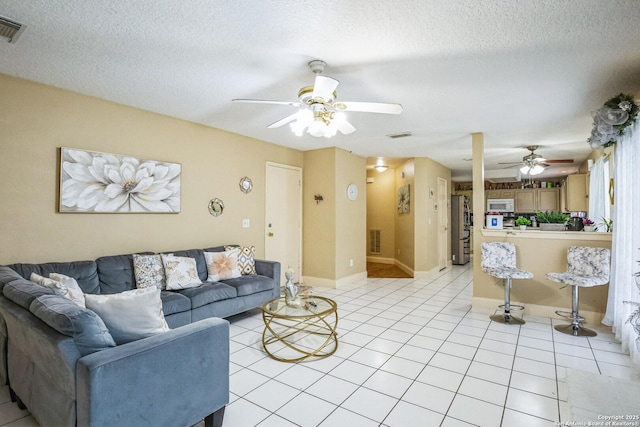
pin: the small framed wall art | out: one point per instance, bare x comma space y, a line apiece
404, 200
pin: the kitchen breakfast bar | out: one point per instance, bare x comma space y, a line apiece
539, 252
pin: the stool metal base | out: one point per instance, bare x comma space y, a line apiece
507, 319
575, 330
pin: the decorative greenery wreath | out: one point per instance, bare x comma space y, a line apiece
612, 119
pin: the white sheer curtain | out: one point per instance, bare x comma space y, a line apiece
597, 193
626, 243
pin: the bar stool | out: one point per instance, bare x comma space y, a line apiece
499, 260
586, 267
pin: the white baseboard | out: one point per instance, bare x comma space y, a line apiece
334, 284
381, 260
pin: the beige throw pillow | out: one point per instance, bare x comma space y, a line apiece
180, 272
246, 258
222, 265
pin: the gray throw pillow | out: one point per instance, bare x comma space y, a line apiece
85, 327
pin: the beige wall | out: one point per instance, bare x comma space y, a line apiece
35, 120
381, 212
405, 223
334, 229
427, 173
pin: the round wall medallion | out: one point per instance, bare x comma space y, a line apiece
246, 185
216, 206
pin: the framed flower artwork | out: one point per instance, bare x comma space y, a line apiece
109, 183
404, 200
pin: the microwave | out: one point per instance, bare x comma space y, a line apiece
500, 205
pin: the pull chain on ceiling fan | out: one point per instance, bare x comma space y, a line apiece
319, 113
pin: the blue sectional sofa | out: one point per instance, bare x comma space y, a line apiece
58, 364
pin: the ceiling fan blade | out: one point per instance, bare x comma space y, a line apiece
284, 121
323, 87
345, 127
369, 107
263, 101
559, 161
510, 163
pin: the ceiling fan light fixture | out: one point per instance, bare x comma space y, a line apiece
531, 170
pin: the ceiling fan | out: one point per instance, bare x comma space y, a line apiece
533, 163
319, 113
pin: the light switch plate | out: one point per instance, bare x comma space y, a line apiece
245, 223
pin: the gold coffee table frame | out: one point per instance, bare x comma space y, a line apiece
284, 324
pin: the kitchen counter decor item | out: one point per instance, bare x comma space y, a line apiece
552, 221
522, 222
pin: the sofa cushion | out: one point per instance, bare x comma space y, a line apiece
246, 258
85, 272
198, 255
250, 284
222, 265
116, 273
208, 293
180, 272
130, 315
174, 302
23, 292
7, 274
148, 271
85, 327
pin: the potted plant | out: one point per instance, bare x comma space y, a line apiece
588, 224
552, 221
522, 222
608, 224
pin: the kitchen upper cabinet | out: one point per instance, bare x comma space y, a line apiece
548, 199
532, 200
525, 200
577, 200
499, 194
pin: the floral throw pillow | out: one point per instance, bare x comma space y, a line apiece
180, 272
148, 271
222, 265
62, 285
246, 259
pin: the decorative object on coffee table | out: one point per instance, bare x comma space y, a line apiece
291, 289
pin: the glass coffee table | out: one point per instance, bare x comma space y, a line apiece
292, 334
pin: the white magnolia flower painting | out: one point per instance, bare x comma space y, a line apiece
110, 183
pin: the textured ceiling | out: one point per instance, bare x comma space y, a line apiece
522, 72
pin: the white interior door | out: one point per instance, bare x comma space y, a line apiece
443, 223
283, 240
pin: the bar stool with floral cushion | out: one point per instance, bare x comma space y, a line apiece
586, 267
499, 260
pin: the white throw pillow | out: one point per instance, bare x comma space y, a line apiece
130, 315
45, 282
222, 265
75, 292
180, 272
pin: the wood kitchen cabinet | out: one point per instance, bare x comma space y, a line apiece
577, 200
537, 200
499, 194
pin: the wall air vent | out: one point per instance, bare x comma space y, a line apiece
400, 135
9, 29
374, 241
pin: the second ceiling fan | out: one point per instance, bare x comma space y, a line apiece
533, 163
319, 113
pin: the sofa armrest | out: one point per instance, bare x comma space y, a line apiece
175, 378
269, 269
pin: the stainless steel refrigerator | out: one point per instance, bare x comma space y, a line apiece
460, 230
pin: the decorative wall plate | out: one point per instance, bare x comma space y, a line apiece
216, 206
246, 185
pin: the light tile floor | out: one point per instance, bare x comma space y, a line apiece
411, 352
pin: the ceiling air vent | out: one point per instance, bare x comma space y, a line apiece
399, 135
9, 29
